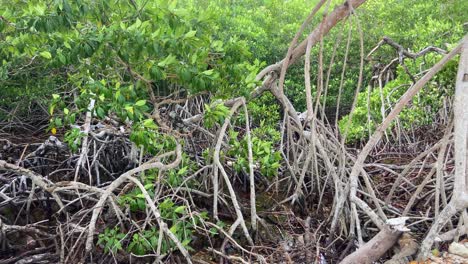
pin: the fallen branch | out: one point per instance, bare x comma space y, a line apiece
379, 244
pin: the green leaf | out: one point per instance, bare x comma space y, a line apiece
73, 118
141, 204
46, 54
154, 241
129, 109
123, 26
180, 209
170, 59
136, 25
190, 34
174, 229
182, 171
100, 112
186, 242
58, 122
208, 72
213, 231
140, 103
221, 224
118, 245
149, 123
62, 58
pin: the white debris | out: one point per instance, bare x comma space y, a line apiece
458, 249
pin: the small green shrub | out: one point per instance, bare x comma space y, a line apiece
215, 114
111, 240
263, 151
421, 111
146, 241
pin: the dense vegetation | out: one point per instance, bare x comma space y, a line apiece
141, 71
197, 46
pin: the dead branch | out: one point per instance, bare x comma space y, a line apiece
402, 52
378, 245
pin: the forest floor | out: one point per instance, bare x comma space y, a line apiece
284, 236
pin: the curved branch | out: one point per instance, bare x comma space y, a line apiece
128, 177
330, 21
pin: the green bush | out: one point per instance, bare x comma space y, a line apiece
421, 111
